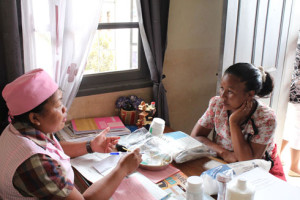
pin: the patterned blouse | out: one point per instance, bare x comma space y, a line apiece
262, 132
40, 175
295, 84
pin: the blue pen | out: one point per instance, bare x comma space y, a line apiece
119, 153
114, 153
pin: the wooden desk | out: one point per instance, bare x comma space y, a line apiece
190, 168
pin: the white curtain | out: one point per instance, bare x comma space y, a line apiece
57, 36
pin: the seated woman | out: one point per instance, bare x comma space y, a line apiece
243, 126
33, 164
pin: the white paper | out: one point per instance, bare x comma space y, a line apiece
88, 163
107, 164
154, 189
84, 164
268, 186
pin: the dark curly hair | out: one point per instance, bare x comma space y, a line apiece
252, 77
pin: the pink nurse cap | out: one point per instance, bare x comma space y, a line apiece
28, 91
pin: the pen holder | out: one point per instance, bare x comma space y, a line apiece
128, 117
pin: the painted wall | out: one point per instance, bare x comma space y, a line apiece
103, 105
192, 59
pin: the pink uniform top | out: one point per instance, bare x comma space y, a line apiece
15, 149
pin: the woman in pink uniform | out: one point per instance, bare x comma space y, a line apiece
243, 126
33, 164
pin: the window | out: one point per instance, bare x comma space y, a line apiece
116, 61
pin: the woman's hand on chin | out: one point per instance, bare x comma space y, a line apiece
241, 114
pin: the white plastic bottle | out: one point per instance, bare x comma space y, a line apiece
157, 127
194, 189
240, 190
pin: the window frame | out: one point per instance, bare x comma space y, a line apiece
120, 80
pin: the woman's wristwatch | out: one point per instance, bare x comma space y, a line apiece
89, 147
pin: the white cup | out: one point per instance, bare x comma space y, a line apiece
157, 127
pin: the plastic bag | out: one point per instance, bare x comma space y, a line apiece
155, 150
210, 184
195, 153
153, 146
136, 137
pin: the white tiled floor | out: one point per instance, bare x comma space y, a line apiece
286, 167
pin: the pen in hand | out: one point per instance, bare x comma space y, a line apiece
121, 148
126, 149
114, 153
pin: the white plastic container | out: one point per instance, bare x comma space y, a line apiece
240, 189
194, 189
157, 127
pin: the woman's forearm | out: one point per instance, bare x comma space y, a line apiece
241, 147
211, 145
74, 149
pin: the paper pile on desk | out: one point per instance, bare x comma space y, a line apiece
67, 134
87, 163
268, 186
98, 124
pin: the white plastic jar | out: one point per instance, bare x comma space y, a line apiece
157, 127
194, 189
240, 189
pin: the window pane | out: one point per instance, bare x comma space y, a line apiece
113, 50
118, 11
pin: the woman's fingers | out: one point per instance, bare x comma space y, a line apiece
137, 153
105, 131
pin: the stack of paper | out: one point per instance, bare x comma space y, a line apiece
67, 134
88, 125
268, 186
136, 186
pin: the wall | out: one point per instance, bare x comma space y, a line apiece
192, 59
102, 105
191, 63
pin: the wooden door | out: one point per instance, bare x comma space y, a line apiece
256, 31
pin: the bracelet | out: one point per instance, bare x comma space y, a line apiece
88, 147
